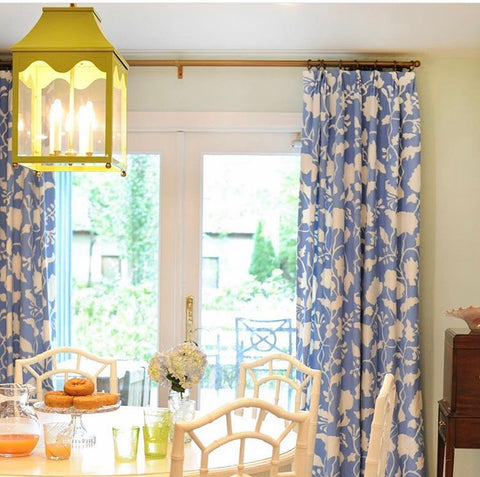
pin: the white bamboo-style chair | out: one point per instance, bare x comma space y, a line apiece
275, 378
379, 442
81, 363
227, 442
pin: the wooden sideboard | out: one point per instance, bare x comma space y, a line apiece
459, 410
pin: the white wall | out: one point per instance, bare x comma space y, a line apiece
215, 89
450, 227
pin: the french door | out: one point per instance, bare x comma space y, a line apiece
223, 195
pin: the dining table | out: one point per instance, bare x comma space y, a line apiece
99, 459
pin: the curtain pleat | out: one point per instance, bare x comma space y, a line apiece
358, 262
27, 246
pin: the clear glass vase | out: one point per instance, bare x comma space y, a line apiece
19, 426
182, 408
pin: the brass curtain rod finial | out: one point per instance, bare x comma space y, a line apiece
414, 64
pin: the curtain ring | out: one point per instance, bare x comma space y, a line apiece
340, 64
376, 65
395, 65
412, 65
357, 65
322, 64
309, 66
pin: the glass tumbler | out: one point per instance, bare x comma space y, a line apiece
156, 431
125, 442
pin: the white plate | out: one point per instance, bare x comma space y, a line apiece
40, 406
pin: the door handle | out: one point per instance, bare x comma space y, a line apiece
189, 329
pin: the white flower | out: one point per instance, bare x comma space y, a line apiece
181, 367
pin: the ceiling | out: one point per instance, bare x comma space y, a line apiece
286, 30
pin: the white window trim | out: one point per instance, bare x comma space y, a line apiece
164, 133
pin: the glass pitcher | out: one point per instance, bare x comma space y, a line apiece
19, 426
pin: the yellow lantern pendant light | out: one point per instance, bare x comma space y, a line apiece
69, 95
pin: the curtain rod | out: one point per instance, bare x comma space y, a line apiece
179, 64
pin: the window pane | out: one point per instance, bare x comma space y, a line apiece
250, 207
115, 224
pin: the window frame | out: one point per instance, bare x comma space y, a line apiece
176, 136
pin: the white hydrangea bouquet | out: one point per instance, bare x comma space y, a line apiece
180, 368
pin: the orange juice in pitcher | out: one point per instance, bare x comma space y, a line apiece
19, 426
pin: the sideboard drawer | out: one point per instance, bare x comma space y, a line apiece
467, 432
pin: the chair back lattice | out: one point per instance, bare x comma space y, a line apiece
262, 379
48, 366
379, 443
258, 338
227, 442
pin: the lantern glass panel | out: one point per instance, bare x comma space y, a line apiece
119, 117
63, 113
24, 127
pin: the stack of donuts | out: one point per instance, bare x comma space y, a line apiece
79, 393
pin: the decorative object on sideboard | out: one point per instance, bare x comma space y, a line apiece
470, 314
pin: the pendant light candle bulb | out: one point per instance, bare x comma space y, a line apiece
70, 129
86, 123
56, 114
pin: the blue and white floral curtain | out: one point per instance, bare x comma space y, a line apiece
27, 270
358, 262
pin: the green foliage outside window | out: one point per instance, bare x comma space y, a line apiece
114, 321
120, 318
124, 211
273, 291
264, 260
